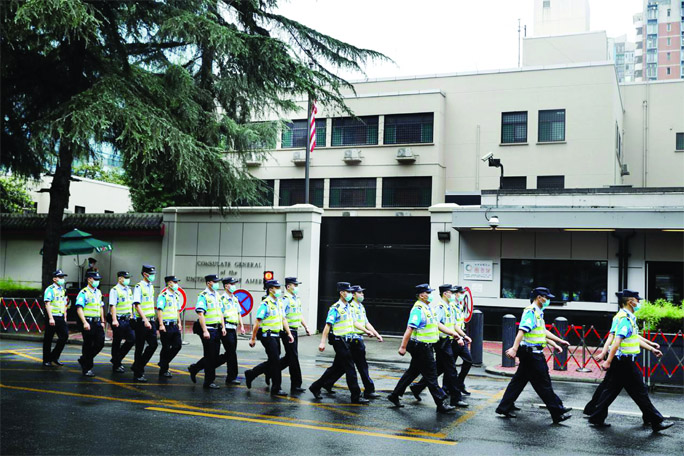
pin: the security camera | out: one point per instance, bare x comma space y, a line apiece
488, 156
494, 221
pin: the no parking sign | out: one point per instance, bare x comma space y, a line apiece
468, 306
246, 301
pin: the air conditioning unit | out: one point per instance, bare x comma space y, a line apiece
349, 214
299, 158
624, 170
352, 156
252, 159
405, 155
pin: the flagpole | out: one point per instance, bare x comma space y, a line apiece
308, 150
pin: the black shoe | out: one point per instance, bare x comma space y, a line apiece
193, 373
506, 414
560, 419
57, 363
415, 389
360, 400
278, 393
662, 426
646, 423
461, 404
212, 386
140, 379
566, 410
445, 408
47, 364
599, 425
234, 381
372, 395
515, 408
329, 391
394, 399
297, 390
89, 373
119, 369
464, 391
315, 391
248, 378
166, 374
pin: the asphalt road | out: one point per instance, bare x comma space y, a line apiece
57, 411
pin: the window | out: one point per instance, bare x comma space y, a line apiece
550, 181
408, 128
108, 212
513, 127
552, 125
620, 59
652, 29
406, 191
680, 141
651, 71
79, 209
569, 280
651, 42
547, 3
669, 11
514, 182
651, 56
349, 131
352, 192
292, 192
295, 134
669, 27
668, 70
665, 280
668, 56
669, 41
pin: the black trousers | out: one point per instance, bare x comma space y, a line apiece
591, 405
532, 369
291, 358
343, 362
126, 333
211, 348
229, 357
144, 354
271, 366
171, 344
463, 353
62, 331
93, 341
446, 364
422, 363
625, 374
358, 352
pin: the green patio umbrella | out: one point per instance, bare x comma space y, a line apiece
77, 242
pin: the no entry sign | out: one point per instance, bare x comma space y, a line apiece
468, 306
246, 301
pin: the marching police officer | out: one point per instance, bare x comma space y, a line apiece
211, 328
233, 318
146, 326
340, 324
168, 318
292, 308
529, 346
461, 351
55, 307
623, 371
90, 311
422, 332
270, 322
121, 314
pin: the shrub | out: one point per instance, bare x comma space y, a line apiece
661, 315
11, 289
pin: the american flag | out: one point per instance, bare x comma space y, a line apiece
312, 127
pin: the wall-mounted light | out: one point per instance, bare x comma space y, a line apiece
444, 236
297, 235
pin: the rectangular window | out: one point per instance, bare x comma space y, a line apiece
668, 70
552, 125
108, 212
669, 41
349, 131
355, 192
295, 133
668, 56
680, 141
292, 192
406, 191
513, 127
652, 29
550, 181
515, 182
669, 27
568, 280
651, 56
79, 209
651, 42
409, 128
547, 3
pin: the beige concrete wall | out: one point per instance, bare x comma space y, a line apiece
565, 49
95, 196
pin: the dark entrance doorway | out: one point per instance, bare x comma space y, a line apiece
388, 256
665, 281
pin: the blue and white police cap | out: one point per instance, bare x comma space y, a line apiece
631, 294
423, 288
93, 275
271, 284
59, 273
343, 286
148, 268
445, 287
540, 291
357, 288
212, 278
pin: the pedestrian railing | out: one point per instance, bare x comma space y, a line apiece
21, 314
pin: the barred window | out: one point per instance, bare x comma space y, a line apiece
513, 127
295, 134
406, 191
292, 192
514, 182
552, 125
409, 128
356, 192
349, 131
550, 181
680, 141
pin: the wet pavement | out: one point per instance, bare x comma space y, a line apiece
58, 411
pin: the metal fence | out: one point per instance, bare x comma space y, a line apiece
21, 314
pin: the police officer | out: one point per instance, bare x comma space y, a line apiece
233, 318
292, 308
448, 338
529, 346
90, 311
461, 351
623, 371
146, 326
270, 322
340, 323
121, 314
168, 318
422, 332
55, 307
211, 328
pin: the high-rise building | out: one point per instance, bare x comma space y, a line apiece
659, 51
622, 52
560, 17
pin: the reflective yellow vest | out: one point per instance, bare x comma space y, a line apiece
170, 311
93, 303
124, 300
213, 313
430, 332
359, 315
274, 321
345, 322
460, 317
59, 300
294, 316
230, 308
449, 318
146, 299
538, 335
630, 345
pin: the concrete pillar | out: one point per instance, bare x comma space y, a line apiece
444, 255
508, 332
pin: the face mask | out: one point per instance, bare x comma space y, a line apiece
215, 286
460, 297
232, 288
637, 306
429, 298
277, 293
127, 282
96, 283
452, 299
545, 303
348, 297
295, 291
174, 286
150, 277
359, 298
61, 282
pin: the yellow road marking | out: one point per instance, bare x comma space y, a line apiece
471, 413
24, 355
303, 426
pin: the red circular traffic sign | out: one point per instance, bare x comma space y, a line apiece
183, 294
468, 304
246, 301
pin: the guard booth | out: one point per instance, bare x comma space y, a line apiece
386, 255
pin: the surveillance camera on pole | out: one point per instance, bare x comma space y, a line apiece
488, 156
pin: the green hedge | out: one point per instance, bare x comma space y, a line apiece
11, 289
661, 315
